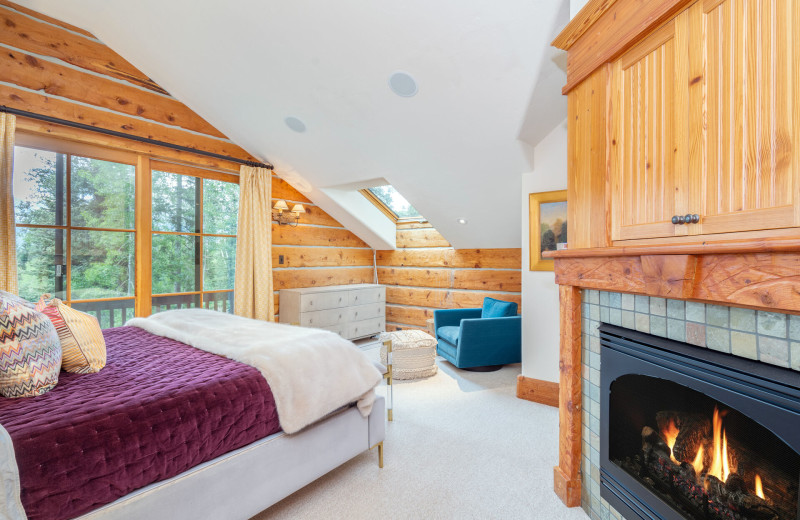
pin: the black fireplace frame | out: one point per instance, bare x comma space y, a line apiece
768, 394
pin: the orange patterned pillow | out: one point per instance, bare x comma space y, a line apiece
82, 342
30, 353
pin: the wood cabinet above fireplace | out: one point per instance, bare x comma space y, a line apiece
677, 108
698, 113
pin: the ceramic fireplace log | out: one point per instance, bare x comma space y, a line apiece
704, 495
695, 431
707, 498
652, 441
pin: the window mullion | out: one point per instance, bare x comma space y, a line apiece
68, 221
198, 219
144, 237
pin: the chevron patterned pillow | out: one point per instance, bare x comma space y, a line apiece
30, 353
83, 347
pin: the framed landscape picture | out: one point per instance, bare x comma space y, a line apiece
548, 226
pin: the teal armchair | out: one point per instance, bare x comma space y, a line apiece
483, 337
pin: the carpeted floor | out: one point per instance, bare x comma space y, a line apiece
461, 446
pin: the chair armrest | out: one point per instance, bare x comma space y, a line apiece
490, 341
453, 317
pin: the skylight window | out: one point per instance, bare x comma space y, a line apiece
389, 200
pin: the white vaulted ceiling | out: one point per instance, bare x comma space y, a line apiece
455, 150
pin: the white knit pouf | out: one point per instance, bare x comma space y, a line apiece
413, 353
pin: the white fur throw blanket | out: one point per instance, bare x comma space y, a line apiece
10, 504
311, 372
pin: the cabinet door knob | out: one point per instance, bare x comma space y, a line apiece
678, 219
692, 219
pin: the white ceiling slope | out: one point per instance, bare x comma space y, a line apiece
453, 150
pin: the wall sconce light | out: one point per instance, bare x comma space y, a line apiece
282, 215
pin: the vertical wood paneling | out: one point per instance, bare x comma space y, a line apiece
587, 106
748, 48
689, 24
644, 169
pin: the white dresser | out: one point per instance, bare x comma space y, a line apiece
353, 311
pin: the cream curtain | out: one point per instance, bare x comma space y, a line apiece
253, 287
8, 242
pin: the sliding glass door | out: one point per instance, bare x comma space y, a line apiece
78, 236
75, 231
194, 241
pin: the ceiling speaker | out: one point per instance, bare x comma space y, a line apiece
402, 84
295, 124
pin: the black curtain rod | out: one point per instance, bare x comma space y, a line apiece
82, 126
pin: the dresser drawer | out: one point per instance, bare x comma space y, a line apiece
323, 318
366, 312
321, 301
360, 329
338, 329
371, 295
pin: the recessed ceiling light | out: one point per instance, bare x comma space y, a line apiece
402, 84
462, 221
296, 124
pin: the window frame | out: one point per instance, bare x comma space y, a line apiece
46, 144
144, 164
203, 175
386, 210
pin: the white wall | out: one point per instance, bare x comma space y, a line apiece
575, 6
540, 333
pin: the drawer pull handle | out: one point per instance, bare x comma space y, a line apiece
678, 220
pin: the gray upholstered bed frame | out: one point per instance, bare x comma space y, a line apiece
244, 482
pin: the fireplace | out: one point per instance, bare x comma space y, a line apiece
687, 432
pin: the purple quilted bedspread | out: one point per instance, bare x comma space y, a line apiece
158, 408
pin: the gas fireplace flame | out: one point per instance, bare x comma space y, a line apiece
698, 462
721, 462
670, 434
759, 488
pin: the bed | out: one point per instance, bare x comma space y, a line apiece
167, 430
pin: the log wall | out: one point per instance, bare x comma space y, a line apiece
424, 273
318, 252
53, 68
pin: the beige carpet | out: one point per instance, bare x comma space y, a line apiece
461, 446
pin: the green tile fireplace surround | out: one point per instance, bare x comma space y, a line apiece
768, 337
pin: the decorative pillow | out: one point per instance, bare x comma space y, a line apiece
82, 341
30, 353
498, 308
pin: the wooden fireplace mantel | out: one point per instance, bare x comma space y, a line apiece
723, 274
758, 280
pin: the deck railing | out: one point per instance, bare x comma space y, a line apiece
114, 313
109, 313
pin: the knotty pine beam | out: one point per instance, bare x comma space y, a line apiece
567, 479
23, 32
63, 109
30, 72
